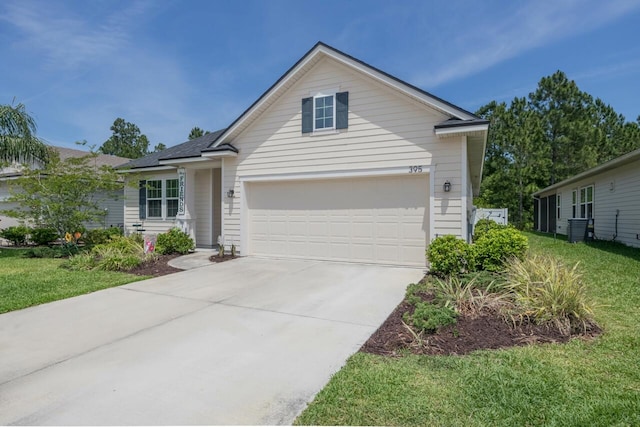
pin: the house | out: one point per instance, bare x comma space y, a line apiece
337, 160
113, 206
609, 194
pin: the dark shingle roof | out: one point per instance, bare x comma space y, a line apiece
191, 148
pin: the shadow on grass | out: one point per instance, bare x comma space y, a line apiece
615, 248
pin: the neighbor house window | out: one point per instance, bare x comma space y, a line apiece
323, 112
574, 204
586, 202
172, 197
558, 198
154, 198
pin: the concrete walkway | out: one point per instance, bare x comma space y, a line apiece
197, 259
248, 341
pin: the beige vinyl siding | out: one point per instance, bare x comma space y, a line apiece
386, 130
625, 197
113, 205
131, 212
204, 207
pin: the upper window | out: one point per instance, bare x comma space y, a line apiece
324, 112
154, 198
586, 202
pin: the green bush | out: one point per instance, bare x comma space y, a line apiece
16, 234
497, 246
82, 261
46, 252
484, 225
548, 291
174, 241
100, 235
42, 236
429, 317
120, 253
450, 255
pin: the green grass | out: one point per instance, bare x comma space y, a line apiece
25, 282
594, 383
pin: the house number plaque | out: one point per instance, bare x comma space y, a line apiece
181, 184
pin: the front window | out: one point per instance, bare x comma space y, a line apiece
574, 204
172, 197
154, 199
558, 206
323, 112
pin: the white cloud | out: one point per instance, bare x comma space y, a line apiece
496, 37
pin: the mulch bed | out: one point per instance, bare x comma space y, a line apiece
487, 330
159, 267
226, 257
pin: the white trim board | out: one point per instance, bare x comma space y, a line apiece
355, 173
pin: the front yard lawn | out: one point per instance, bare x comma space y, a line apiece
583, 382
25, 282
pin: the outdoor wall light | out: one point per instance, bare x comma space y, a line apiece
447, 186
230, 193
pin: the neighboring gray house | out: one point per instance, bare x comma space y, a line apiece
114, 209
336, 161
609, 194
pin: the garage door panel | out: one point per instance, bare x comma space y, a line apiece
373, 220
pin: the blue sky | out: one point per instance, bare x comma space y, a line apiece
170, 65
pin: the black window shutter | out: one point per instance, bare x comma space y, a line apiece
342, 110
307, 115
142, 199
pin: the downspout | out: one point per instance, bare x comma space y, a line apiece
615, 234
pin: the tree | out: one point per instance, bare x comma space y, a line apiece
196, 132
18, 142
557, 132
159, 147
64, 195
126, 141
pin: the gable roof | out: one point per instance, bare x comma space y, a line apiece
604, 167
191, 148
460, 121
321, 50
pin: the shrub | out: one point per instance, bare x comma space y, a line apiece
16, 234
429, 317
497, 246
46, 252
100, 235
449, 255
83, 261
121, 253
42, 236
548, 291
484, 225
174, 241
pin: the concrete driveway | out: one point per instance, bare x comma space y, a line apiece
249, 341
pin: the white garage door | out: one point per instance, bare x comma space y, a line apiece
382, 220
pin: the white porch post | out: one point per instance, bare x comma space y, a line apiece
186, 218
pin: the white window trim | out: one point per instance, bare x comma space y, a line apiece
163, 201
327, 129
586, 202
166, 198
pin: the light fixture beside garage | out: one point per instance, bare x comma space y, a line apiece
230, 193
447, 186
